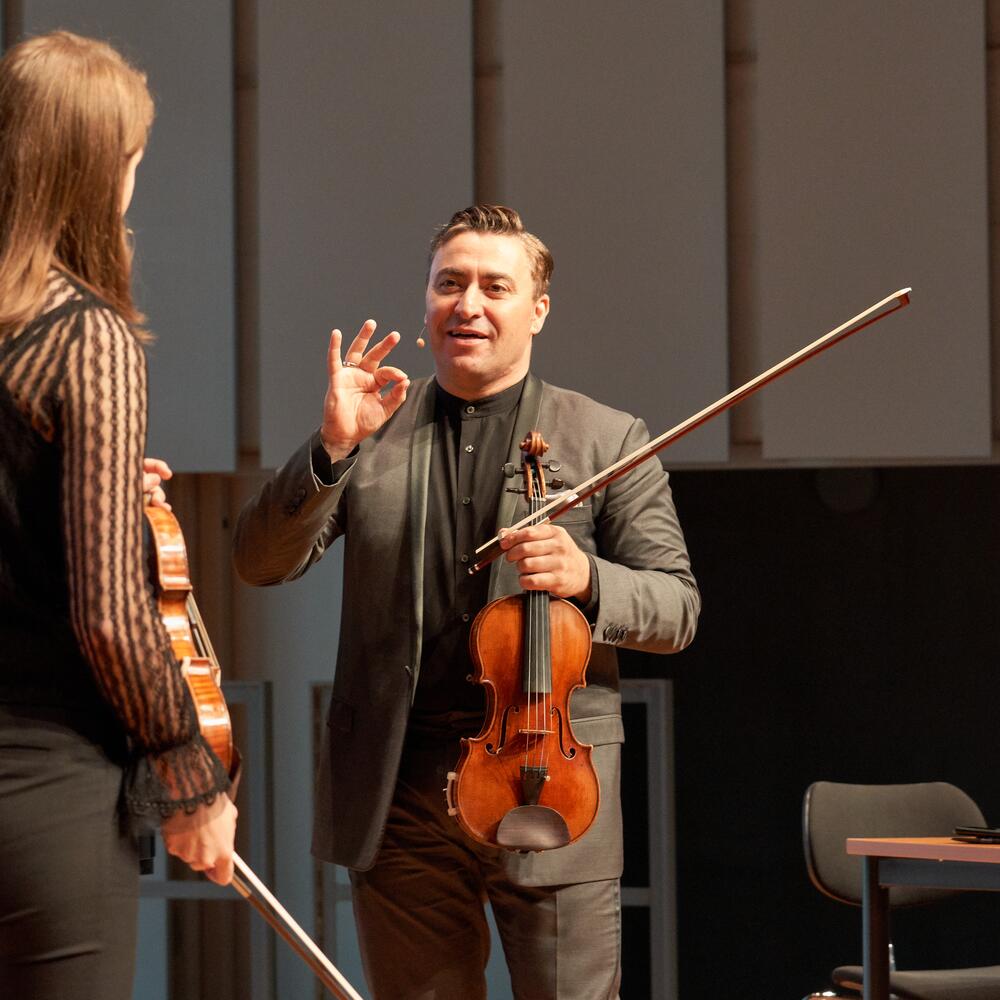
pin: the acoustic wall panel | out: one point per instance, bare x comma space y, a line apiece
614, 153
873, 176
182, 213
365, 136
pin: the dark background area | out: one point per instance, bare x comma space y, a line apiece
848, 634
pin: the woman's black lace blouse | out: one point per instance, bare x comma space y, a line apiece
79, 630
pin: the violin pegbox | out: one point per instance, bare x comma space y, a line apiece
533, 447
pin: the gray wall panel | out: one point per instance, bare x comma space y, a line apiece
614, 153
873, 176
365, 132
182, 213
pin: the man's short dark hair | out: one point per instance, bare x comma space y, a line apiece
502, 221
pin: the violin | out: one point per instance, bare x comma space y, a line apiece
200, 668
188, 637
525, 783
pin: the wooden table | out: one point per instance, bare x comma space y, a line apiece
931, 862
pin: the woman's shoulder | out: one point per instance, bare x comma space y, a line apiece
90, 316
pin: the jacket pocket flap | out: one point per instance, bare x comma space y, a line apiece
581, 512
599, 729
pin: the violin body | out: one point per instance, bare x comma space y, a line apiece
175, 601
526, 731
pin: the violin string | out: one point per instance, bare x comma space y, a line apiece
539, 681
531, 652
539, 692
535, 666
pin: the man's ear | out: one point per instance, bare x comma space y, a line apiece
541, 311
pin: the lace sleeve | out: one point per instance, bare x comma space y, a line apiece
111, 602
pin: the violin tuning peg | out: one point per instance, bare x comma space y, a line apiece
557, 484
554, 466
510, 470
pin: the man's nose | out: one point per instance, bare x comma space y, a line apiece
471, 302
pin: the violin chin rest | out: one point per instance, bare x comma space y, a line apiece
532, 828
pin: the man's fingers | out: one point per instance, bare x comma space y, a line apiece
393, 399
357, 349
388, 374
541, 563
533, 532
374, 357
536, 547
358, 356
535, 540
333, 363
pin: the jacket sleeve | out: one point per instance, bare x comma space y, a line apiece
293, 518
647, 597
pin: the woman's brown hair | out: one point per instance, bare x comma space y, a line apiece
72, 113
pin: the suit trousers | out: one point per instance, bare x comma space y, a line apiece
70, 883
421, 918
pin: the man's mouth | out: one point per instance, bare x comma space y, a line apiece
466, 335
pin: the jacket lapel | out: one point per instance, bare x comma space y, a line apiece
526, 421
420, 463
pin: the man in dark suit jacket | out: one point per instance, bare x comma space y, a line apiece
411, 475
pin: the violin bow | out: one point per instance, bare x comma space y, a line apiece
267, 905
485, 554
188, 636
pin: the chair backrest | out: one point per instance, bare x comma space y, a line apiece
832, 812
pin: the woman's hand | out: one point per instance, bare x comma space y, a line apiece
204, 839
155, 472
355, 406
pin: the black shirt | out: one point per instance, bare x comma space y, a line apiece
472, 440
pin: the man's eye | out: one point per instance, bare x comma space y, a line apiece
498, 289
447, 283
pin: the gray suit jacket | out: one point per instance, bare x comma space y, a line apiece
647, 599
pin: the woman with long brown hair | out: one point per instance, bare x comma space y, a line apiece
96, 724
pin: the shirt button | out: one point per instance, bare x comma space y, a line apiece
470, 409
464, 558
466, 616
466, 501
470, 448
